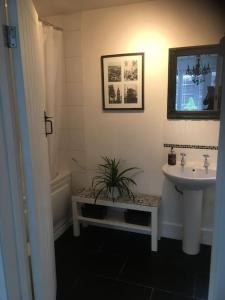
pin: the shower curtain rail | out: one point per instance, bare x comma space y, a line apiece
49, 24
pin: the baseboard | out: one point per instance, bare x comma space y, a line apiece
175, 231
207, 235
59, 229
168, 230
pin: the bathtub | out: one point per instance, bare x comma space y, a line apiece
61, 203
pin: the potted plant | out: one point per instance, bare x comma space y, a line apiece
111, 180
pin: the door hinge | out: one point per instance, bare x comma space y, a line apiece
11, 36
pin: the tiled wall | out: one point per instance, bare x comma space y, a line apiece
71, 109
193, 132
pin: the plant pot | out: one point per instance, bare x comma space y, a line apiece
94, 211
114, 194
137, 217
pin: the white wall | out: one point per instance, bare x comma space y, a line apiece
137, 137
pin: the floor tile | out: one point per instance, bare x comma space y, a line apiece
106, 264
157, 271
163, 295
202, 285
127, 242
101, 288
103, 258
90, 240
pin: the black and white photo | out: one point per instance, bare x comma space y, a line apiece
114, 73
115, 93
130, 70
130, 93
123, 81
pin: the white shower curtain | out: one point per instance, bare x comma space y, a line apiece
54, 80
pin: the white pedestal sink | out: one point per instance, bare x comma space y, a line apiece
191, 181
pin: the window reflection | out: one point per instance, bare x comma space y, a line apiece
192, 96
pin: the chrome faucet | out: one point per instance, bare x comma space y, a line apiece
182, 162
206, 162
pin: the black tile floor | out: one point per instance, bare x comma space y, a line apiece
107, 264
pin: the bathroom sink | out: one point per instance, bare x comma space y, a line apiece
190, 177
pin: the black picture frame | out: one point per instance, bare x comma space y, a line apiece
172, 71
125, 74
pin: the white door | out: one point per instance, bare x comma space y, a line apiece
15, 279
217, 274
30, 94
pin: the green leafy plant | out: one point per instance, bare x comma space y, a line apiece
110, 177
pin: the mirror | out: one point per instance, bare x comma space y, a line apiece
193, 89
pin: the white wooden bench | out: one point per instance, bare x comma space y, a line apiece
115, 217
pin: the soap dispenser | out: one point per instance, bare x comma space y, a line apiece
172, 157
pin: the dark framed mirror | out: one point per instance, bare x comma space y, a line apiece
193, 83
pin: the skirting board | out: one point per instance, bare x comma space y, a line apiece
168, 230
175, 231
62, 227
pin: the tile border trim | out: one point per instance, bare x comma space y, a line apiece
191, 146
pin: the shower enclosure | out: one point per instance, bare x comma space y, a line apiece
54, 90
53, 72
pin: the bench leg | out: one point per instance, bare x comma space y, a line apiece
76, 225
155, 230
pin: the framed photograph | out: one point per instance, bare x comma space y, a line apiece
123, 81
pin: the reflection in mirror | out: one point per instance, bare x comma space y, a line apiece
193, 83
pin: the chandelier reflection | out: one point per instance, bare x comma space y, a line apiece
198, 71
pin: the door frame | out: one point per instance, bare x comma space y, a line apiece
15, 279
217, 272
33, 142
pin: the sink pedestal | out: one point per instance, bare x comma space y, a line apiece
192, 221
192, 181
